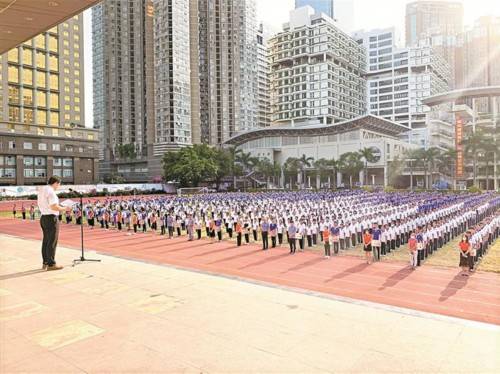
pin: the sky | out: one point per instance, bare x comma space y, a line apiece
368, 14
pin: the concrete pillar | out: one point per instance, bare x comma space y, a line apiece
362, 177
19, 170
50, 166
318, 181
339, 179
385, 176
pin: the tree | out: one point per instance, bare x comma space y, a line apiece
292, 167
429, 157
247, 161
368, 155
225, 166
305, 162
126, 151
351, 164
266, 168
395, 171
190, 165
234, 153
473, 144
322, 166
412, 158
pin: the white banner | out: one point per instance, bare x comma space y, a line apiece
18, 191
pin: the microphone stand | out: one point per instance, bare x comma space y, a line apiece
82, 257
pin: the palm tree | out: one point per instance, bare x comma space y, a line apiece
412, 155
247, 160
292, 167
473, 144
351, 164
429, 158
265, 167
305, 162
368, 155
234, 153
322, 167
335, 167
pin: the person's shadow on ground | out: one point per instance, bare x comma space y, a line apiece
457, 283
21, 274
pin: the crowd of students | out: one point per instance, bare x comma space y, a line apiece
380, 222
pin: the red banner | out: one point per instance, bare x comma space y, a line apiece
459, 129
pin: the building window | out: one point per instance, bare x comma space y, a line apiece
56, 147
28, 76
53, 63
40, 173
57, 161
41, 79
68, 148
57, 172
41, 99
13, 95
13, 74
27, 56
67, 173
28, 173
12, 144
28, 161
41, 117
40, 161
68, 162
42, 146
54, 119
41, 60
54, 101
53, 44
54, 82
28, 145
40, 41
28, 96
28, 115
13, 55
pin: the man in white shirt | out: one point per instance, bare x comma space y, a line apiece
48, 203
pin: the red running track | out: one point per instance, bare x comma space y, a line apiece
428, 289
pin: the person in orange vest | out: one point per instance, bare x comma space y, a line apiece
412, 249
135, 221
464, 249
326, 240
239, 233
367, 245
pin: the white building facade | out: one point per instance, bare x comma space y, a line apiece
399, 78
172, 75
316, 73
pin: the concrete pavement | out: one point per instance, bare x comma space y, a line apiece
129, 316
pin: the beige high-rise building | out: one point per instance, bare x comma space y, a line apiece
481, 54
316, 72
44, 80
437, 24
123, 70
436, 17
42, 109
227, 68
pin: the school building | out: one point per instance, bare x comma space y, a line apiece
278, 143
